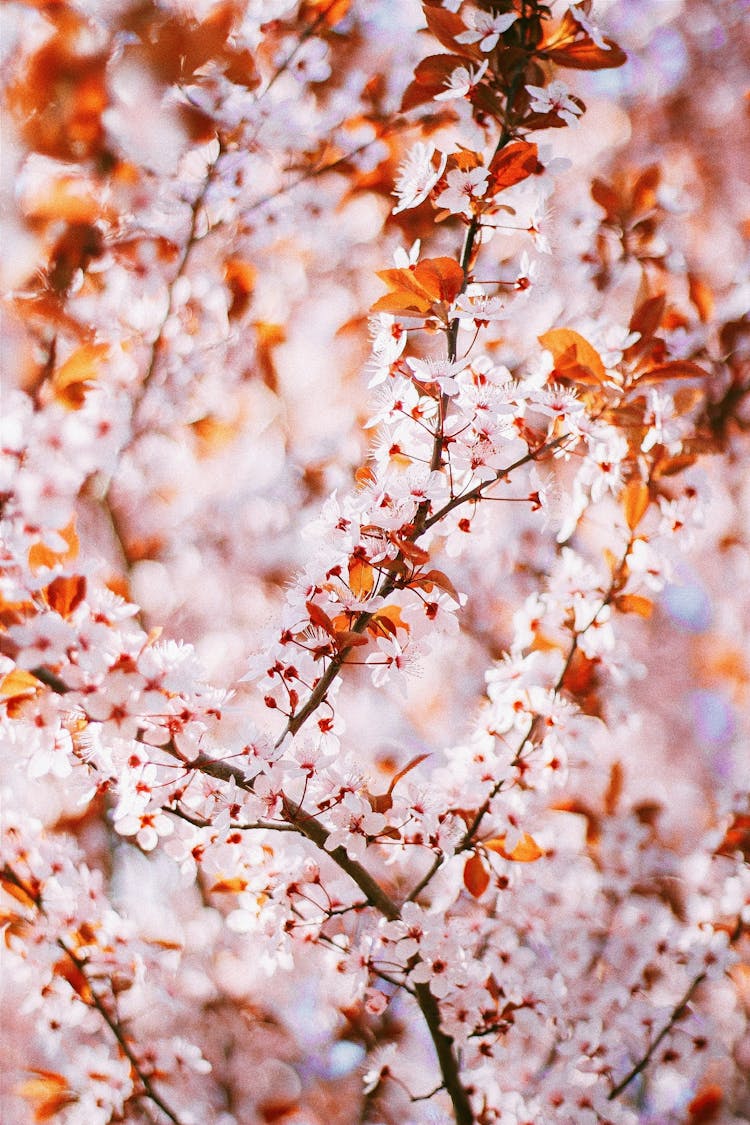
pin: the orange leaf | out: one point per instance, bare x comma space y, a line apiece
382, 802
364, 476
68, 198
635, 603
476, 875
410, 550
433, 71
614, 788
64, 594
441, 276
646, 319
76, 978
240, 276
574, 357
49, 1093
701, 296
444, 25
73, 379
410, 765
675, 369
387, 620
26, 896
233, 886
635, 501
347, 638
437, 578
361, 578
514, 163
737, 838
526, 850
320, 618
569, 45
607, 198
415, 290
644, 189
18, 683
40, 555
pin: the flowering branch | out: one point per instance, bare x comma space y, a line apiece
677, 1013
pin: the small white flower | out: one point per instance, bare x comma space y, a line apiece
486, 29
478, 308
440, 371
463, 189
461, 82
590, 28
555, 98
417, 176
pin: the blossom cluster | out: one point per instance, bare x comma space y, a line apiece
340, 772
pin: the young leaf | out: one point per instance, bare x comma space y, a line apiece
476, 875
575, 358
526, 850
635, 500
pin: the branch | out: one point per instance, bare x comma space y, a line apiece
98, 1003
449, 1067
469, 837
10, 876
676, 1015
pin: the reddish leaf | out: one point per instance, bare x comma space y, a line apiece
644, 189
607, 198
40, 555
65, 593
74, 378
513, 164
701, 296
362, 578
18, 684
737, 838
320, 618
635, 603
614, 788
706, 1105
445, 26
76, 978
569, 45
48, 1092
433, 71
635, 501
526, 850
240, 276
410, 550
347, 638
476, 875
674, 369
646, 320
574, 357
437, 578
387, 621
232, 886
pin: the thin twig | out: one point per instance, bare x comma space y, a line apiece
676, 1015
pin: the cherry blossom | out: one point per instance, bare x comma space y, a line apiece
463, 191
373, 590
417, 175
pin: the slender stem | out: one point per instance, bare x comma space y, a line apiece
469, 837
98, 1003
676, 1015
